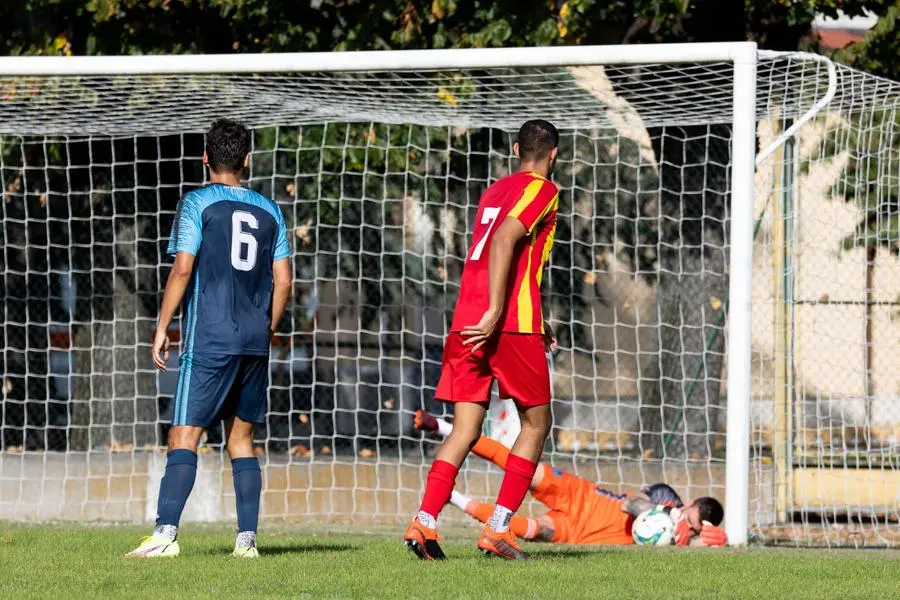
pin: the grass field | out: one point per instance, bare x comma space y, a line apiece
57, 561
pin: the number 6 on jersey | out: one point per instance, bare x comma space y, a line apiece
240, 238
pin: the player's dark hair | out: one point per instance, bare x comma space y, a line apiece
227, 144
710, 510
536, 139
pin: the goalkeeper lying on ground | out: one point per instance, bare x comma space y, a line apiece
581, 512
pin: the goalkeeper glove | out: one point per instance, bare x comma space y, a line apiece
682, 527
683, 533
712, 536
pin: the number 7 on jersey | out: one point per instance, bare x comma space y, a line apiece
489, 218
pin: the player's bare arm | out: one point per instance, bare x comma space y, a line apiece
281, 290
499, 261
175, 288
635, 505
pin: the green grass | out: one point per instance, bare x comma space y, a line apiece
44, 561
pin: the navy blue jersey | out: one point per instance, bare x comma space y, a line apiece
235, 234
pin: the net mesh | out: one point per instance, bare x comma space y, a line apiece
378, 175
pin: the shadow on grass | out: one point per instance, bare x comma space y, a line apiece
266, 550
307, 549
574, 553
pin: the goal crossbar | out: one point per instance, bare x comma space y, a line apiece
304, 62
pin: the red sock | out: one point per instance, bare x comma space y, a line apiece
438, 486
519, 473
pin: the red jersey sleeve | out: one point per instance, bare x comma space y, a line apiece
539, 199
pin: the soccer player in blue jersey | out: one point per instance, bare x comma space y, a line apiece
233, 273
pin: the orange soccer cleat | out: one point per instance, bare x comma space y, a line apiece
503, 545
425, 422
423, 541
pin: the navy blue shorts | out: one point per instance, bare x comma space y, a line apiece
213, 387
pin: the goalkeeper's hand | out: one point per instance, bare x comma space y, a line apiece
683, 530
713, 536
683, 533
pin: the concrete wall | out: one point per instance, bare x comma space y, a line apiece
123, 487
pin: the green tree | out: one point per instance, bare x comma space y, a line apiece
878, 53
690, 271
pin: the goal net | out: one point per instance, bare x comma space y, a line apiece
378, 163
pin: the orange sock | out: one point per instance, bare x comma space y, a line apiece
523, 527
491, 450
480, 510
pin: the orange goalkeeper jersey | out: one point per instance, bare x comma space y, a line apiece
582, 512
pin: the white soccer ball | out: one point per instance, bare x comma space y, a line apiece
653, 528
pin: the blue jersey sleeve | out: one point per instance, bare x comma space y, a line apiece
282, 248
187, 229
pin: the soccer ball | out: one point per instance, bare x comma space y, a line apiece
653, 528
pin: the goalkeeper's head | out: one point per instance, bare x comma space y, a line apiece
537, 146
702, 510
227, 148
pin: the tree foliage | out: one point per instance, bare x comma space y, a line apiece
222, 26
349, 185
875, 133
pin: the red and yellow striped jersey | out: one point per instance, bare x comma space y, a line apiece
534, 201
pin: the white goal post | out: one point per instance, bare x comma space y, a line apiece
377, 159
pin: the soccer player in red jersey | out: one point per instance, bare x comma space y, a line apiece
498, 333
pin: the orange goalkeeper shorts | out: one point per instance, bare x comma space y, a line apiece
582, 512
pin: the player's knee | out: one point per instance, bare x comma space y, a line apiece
537, 422
463, 439
239, 444
184, 438
538, 430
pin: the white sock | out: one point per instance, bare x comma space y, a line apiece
499, 521
444, 428
458, 500
245, 539
166, 531
429, 521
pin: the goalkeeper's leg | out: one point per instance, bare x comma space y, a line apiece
526, 528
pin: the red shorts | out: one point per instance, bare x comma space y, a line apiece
516, 360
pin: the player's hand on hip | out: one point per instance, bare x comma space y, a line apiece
161, 345
477, 335
550, 341
713, 536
